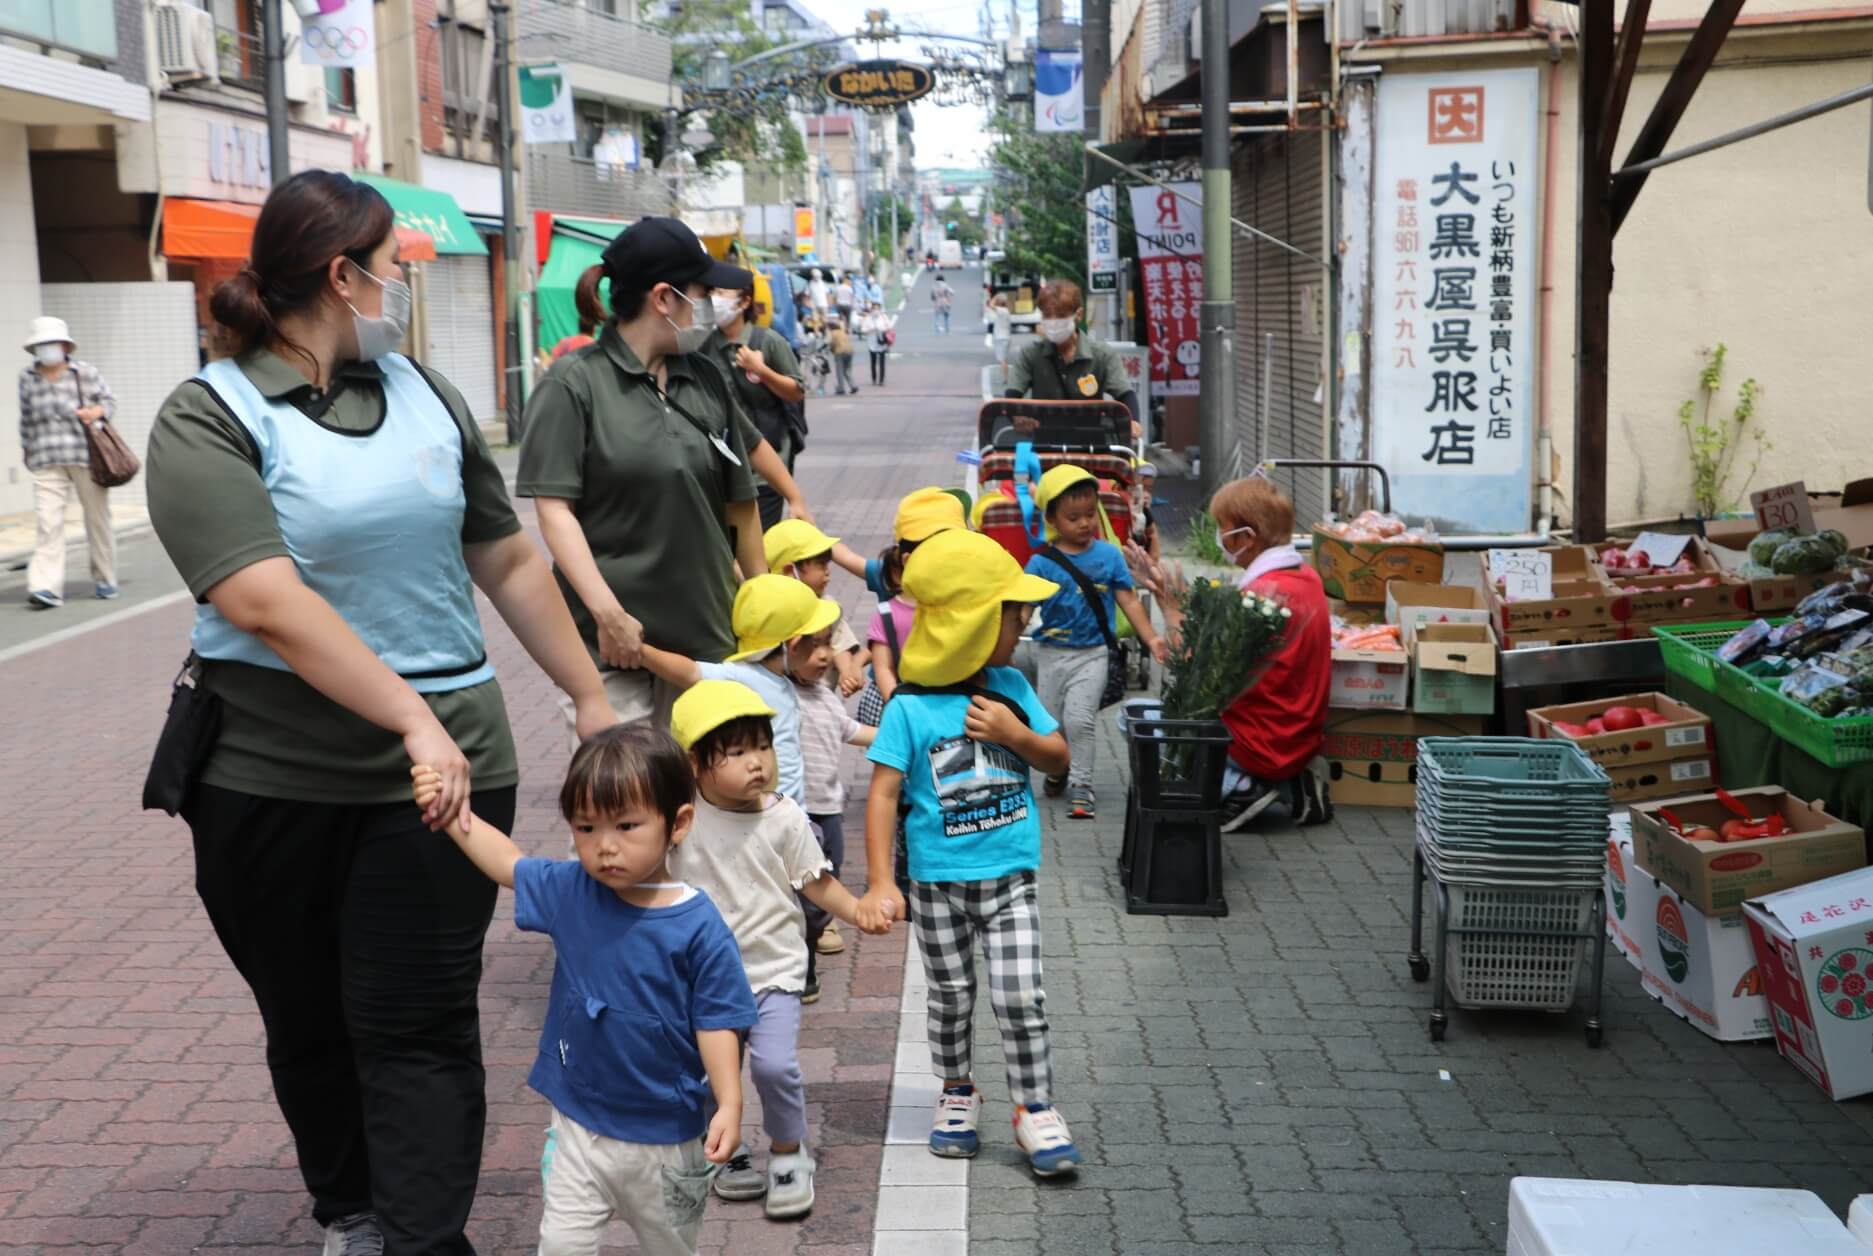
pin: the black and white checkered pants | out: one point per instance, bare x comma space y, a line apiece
1003, 916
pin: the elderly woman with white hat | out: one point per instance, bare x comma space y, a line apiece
59, 398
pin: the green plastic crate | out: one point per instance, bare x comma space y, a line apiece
1690, 650
1835, 742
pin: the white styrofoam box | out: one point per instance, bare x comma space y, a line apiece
142, 337
1565, 1217
1702, 968
1860, 1220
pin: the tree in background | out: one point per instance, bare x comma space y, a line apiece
757, 132
1037, 188
968, 227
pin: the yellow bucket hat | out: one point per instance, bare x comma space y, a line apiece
794, 541
1058, 480
959, 581
708, 704
926, 512
771, 610
981, 509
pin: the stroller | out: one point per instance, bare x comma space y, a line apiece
1020, 440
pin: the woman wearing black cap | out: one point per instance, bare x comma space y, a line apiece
635, 450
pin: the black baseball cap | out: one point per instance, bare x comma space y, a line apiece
662, 250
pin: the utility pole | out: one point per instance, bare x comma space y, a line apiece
273, 51
498, 13
1216, 401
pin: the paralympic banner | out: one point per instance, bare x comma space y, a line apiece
339, 38
1059, 103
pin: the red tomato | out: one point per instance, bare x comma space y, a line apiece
1596, 726
1651, 718
1618, 719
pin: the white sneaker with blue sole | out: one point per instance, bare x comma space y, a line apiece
1042, 1135
953, 1129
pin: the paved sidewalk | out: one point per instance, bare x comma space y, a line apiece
1263, 1082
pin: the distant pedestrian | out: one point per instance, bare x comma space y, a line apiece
59, 398
818, 295
842, 298
942, 296
333, 508
874, 291
839, 342
881, 335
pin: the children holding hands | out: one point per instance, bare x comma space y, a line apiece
953, 753
648, 1001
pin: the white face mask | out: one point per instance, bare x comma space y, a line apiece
1235, 555
1058, 330
692, 338
48, 355
381, 335
727, 310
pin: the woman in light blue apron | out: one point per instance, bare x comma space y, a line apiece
333, 507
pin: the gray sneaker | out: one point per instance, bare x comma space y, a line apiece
739, 1179
356, 1235
790, 1185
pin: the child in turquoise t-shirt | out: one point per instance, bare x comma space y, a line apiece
953, 754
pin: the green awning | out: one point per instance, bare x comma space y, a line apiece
577, 244
429, 211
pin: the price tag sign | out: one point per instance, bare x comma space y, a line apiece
1527, 575
1662, 548
1785, 507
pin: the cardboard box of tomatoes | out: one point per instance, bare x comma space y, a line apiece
1721, 848
1650, 745
1816, 958
1694, 586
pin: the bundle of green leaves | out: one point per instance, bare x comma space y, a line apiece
1228, 637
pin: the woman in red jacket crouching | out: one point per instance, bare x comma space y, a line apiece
1278, 722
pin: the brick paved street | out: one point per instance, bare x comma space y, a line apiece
1260, 1083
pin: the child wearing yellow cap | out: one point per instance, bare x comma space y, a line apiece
755, 855
1077, 631
955, 747
769, 612
799, 549
648, 1003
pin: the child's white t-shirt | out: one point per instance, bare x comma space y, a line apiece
752, 864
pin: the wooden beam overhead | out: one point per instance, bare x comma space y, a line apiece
1697, 57
1626, 61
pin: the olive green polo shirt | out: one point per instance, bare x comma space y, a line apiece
1037, 371
649, 489
280, 737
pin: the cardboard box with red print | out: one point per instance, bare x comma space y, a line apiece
1630, 897
1814, 945
1701, 967
1717, 876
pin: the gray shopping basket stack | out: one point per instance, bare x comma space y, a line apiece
1511, 836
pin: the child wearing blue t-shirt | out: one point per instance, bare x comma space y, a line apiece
769, 612
953, 754
648, 999
1076, 630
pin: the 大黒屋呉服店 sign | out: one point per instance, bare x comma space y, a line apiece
1170, 258
1456, 205
879, 84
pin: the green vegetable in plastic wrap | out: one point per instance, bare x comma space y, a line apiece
1750, 569
1856, 665
1804, 555
1825, 692
1836, 539
1763, 548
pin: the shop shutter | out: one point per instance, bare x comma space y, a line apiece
1278, 186
460, 308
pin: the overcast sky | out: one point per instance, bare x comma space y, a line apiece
954, 135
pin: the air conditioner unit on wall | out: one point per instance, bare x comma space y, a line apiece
185, 43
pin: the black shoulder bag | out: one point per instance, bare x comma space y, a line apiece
1115, 657
189, 734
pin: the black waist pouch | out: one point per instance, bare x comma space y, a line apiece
188, 738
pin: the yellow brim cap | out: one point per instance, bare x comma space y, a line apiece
951, 644
709, 704
825, 614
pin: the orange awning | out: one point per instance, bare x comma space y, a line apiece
226, 229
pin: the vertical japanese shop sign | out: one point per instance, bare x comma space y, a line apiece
1456, 196
1102, 241
1170, 255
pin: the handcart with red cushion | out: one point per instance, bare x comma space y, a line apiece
1021, 440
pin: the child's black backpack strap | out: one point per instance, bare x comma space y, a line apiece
966, 691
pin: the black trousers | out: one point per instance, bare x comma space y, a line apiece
772, 505
878, 357
830, 830
360, 933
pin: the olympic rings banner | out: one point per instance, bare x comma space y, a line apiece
342, 38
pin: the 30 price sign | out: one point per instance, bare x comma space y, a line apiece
1783, 508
